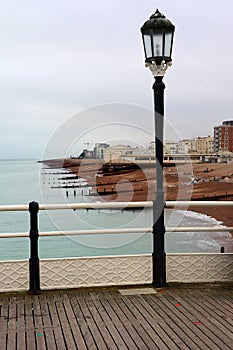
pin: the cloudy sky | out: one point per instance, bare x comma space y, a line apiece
59, 58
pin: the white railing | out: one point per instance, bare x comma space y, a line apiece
122, 206
118, 231
118, 205
118, 270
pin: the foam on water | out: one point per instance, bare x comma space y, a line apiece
204, 217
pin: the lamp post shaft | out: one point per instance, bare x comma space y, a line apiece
159, 255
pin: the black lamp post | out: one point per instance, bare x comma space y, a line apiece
157, 34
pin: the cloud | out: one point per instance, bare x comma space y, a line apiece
57, 55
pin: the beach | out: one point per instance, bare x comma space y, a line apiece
53, 184
205, 181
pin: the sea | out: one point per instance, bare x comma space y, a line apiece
23, 181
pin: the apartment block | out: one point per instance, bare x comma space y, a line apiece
185, 146
204, 145
223, 136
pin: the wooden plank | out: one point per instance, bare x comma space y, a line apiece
38, 324
220, 310
21, 328
199, 336
113, 302
4, 321
82, 322
64, 322
47, 324
117, 322
97, 336
99, 321
203, 306
30, 330
133, 324
179, 327
12, 319
189, 310
73, 322
112, 328
58, 335
162, 329
167, 338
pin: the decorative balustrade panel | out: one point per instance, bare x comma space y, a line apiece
116, 270
14, 275
199, 267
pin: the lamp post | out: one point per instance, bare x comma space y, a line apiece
157, 34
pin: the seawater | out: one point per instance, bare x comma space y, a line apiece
23, 181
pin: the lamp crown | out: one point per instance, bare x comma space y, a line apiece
157, 20
157, 14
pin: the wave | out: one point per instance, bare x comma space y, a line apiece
204, 217
194, 217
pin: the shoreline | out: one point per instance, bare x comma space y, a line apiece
211, 182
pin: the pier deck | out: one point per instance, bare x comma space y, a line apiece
179, 317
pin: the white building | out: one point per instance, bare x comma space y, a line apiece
171, 147
117, 153
185, 146
98, 151
204, 145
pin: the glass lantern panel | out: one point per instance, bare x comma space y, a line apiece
148, 46
168, 44
158, 44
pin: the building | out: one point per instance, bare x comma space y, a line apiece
98, 151
118, 153
185, 146
86, 154
223, 136
204, 145
124, 154
171, 147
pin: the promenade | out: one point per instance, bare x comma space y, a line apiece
183, 316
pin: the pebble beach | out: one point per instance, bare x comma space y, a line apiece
205, 181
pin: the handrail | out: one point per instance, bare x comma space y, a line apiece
118, 205
117, 231
194, 203
14, 207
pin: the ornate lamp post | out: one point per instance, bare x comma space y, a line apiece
157, 34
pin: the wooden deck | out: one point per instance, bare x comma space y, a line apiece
194, 317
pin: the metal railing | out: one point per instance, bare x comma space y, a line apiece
33, 234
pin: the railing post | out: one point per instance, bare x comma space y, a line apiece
34, 267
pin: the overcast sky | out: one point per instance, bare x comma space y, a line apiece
58, 58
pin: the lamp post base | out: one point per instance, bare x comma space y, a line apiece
160, 285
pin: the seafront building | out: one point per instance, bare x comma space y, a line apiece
200, 150
204, 145
215, 149
117, 153
98, 151
223, 136
185, 146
